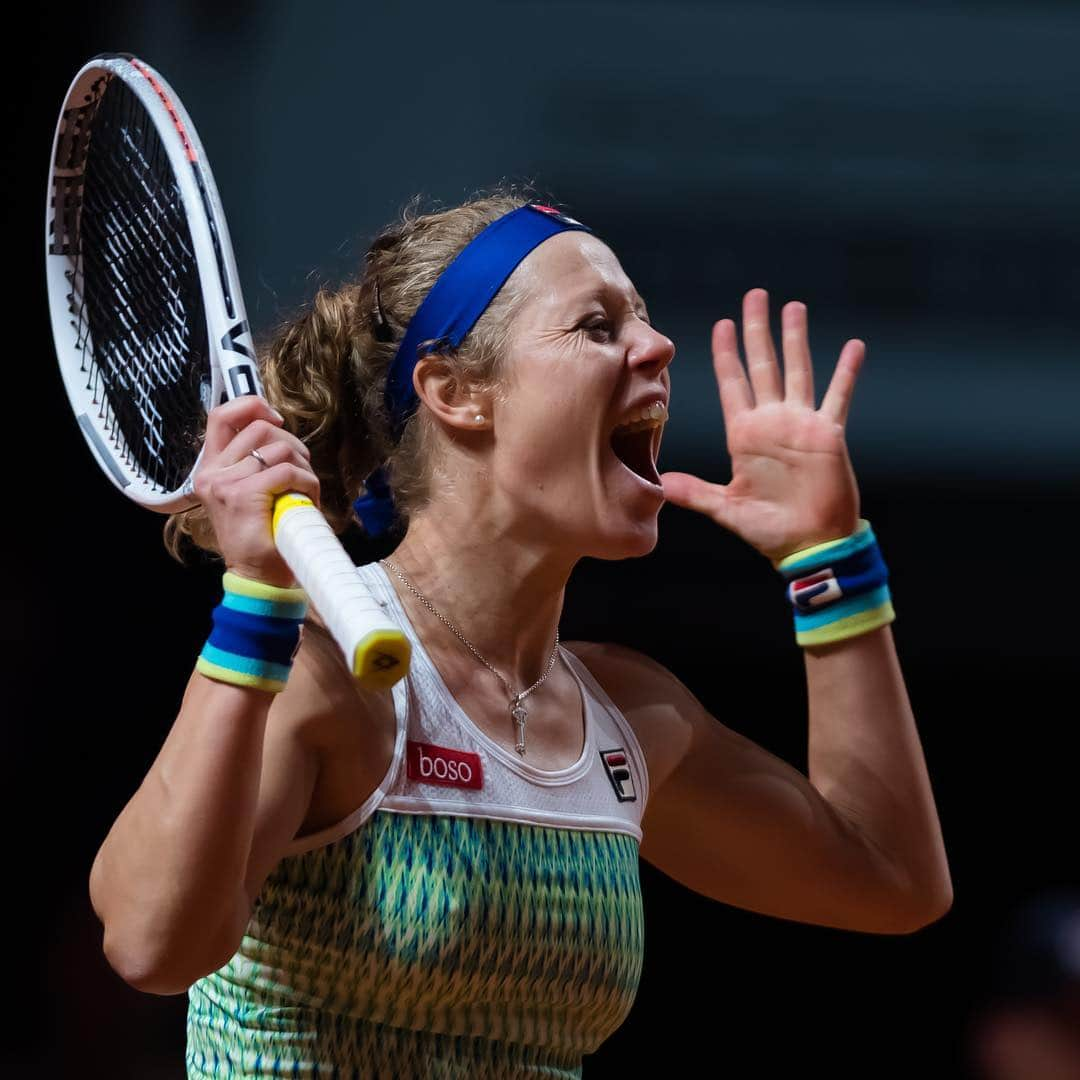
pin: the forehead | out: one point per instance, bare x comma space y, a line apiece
569, 266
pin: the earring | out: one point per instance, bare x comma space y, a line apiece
479, 418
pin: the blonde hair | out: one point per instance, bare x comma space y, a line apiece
325, 370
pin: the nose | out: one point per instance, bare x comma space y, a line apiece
651, 348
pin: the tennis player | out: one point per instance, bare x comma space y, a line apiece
441, 879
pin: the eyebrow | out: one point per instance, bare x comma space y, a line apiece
598, 292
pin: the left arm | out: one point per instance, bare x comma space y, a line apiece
865, 758
734, 822
857, 843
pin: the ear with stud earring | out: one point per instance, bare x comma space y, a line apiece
479, 418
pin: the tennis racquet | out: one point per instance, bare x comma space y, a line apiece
151, 330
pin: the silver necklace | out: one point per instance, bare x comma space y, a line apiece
517, 710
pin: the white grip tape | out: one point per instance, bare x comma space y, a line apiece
352, 614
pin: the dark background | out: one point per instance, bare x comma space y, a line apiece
908, 172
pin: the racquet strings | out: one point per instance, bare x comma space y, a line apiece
140, 318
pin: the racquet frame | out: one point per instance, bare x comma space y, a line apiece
375, 648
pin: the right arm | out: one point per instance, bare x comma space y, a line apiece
176, 878
233, 780
168, 883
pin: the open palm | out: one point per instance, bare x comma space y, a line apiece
792, 484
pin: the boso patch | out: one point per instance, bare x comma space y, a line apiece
618, 771
432, 764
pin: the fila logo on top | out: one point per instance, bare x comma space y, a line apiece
558, 215
618, 772
815, 590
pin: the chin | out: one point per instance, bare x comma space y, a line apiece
635, 538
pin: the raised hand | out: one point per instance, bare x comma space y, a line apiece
239, 491
792, 484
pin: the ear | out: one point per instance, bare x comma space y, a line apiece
454, 404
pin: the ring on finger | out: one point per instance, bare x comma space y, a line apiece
259, 458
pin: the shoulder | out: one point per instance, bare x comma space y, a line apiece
630, 673
335, 701
653, 701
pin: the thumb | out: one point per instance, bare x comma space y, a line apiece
684, 489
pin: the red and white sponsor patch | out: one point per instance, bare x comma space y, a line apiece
552, 212
431, 764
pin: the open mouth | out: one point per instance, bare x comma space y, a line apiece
636, 450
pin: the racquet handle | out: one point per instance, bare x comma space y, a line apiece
375, 648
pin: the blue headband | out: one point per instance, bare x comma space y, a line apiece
449, 311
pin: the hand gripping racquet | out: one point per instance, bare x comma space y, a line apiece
151, 331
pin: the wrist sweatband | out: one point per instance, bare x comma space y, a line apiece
838, 589
255, 634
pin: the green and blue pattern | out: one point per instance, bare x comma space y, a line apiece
429, 946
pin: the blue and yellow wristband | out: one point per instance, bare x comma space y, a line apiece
838, 589
255, 635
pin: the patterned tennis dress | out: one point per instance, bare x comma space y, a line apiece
477, 917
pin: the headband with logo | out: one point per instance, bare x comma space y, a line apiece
458, 298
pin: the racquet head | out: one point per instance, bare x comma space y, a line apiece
144, 297
150, 327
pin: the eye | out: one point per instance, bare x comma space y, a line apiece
601, 325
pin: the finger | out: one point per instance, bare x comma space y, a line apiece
798, 368
225, 420
214, 473
760, 354
209, 481
283, 477
272, 454
838, 397
685, 489
258, 434
735, 393
287, 477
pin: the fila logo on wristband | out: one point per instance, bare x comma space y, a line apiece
815, 590
618, 772
432, 764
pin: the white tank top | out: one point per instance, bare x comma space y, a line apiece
444, 764
476, 916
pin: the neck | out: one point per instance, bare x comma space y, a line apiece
504, 594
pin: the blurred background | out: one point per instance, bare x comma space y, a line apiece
911, 173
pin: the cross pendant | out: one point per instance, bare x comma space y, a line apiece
518, 713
